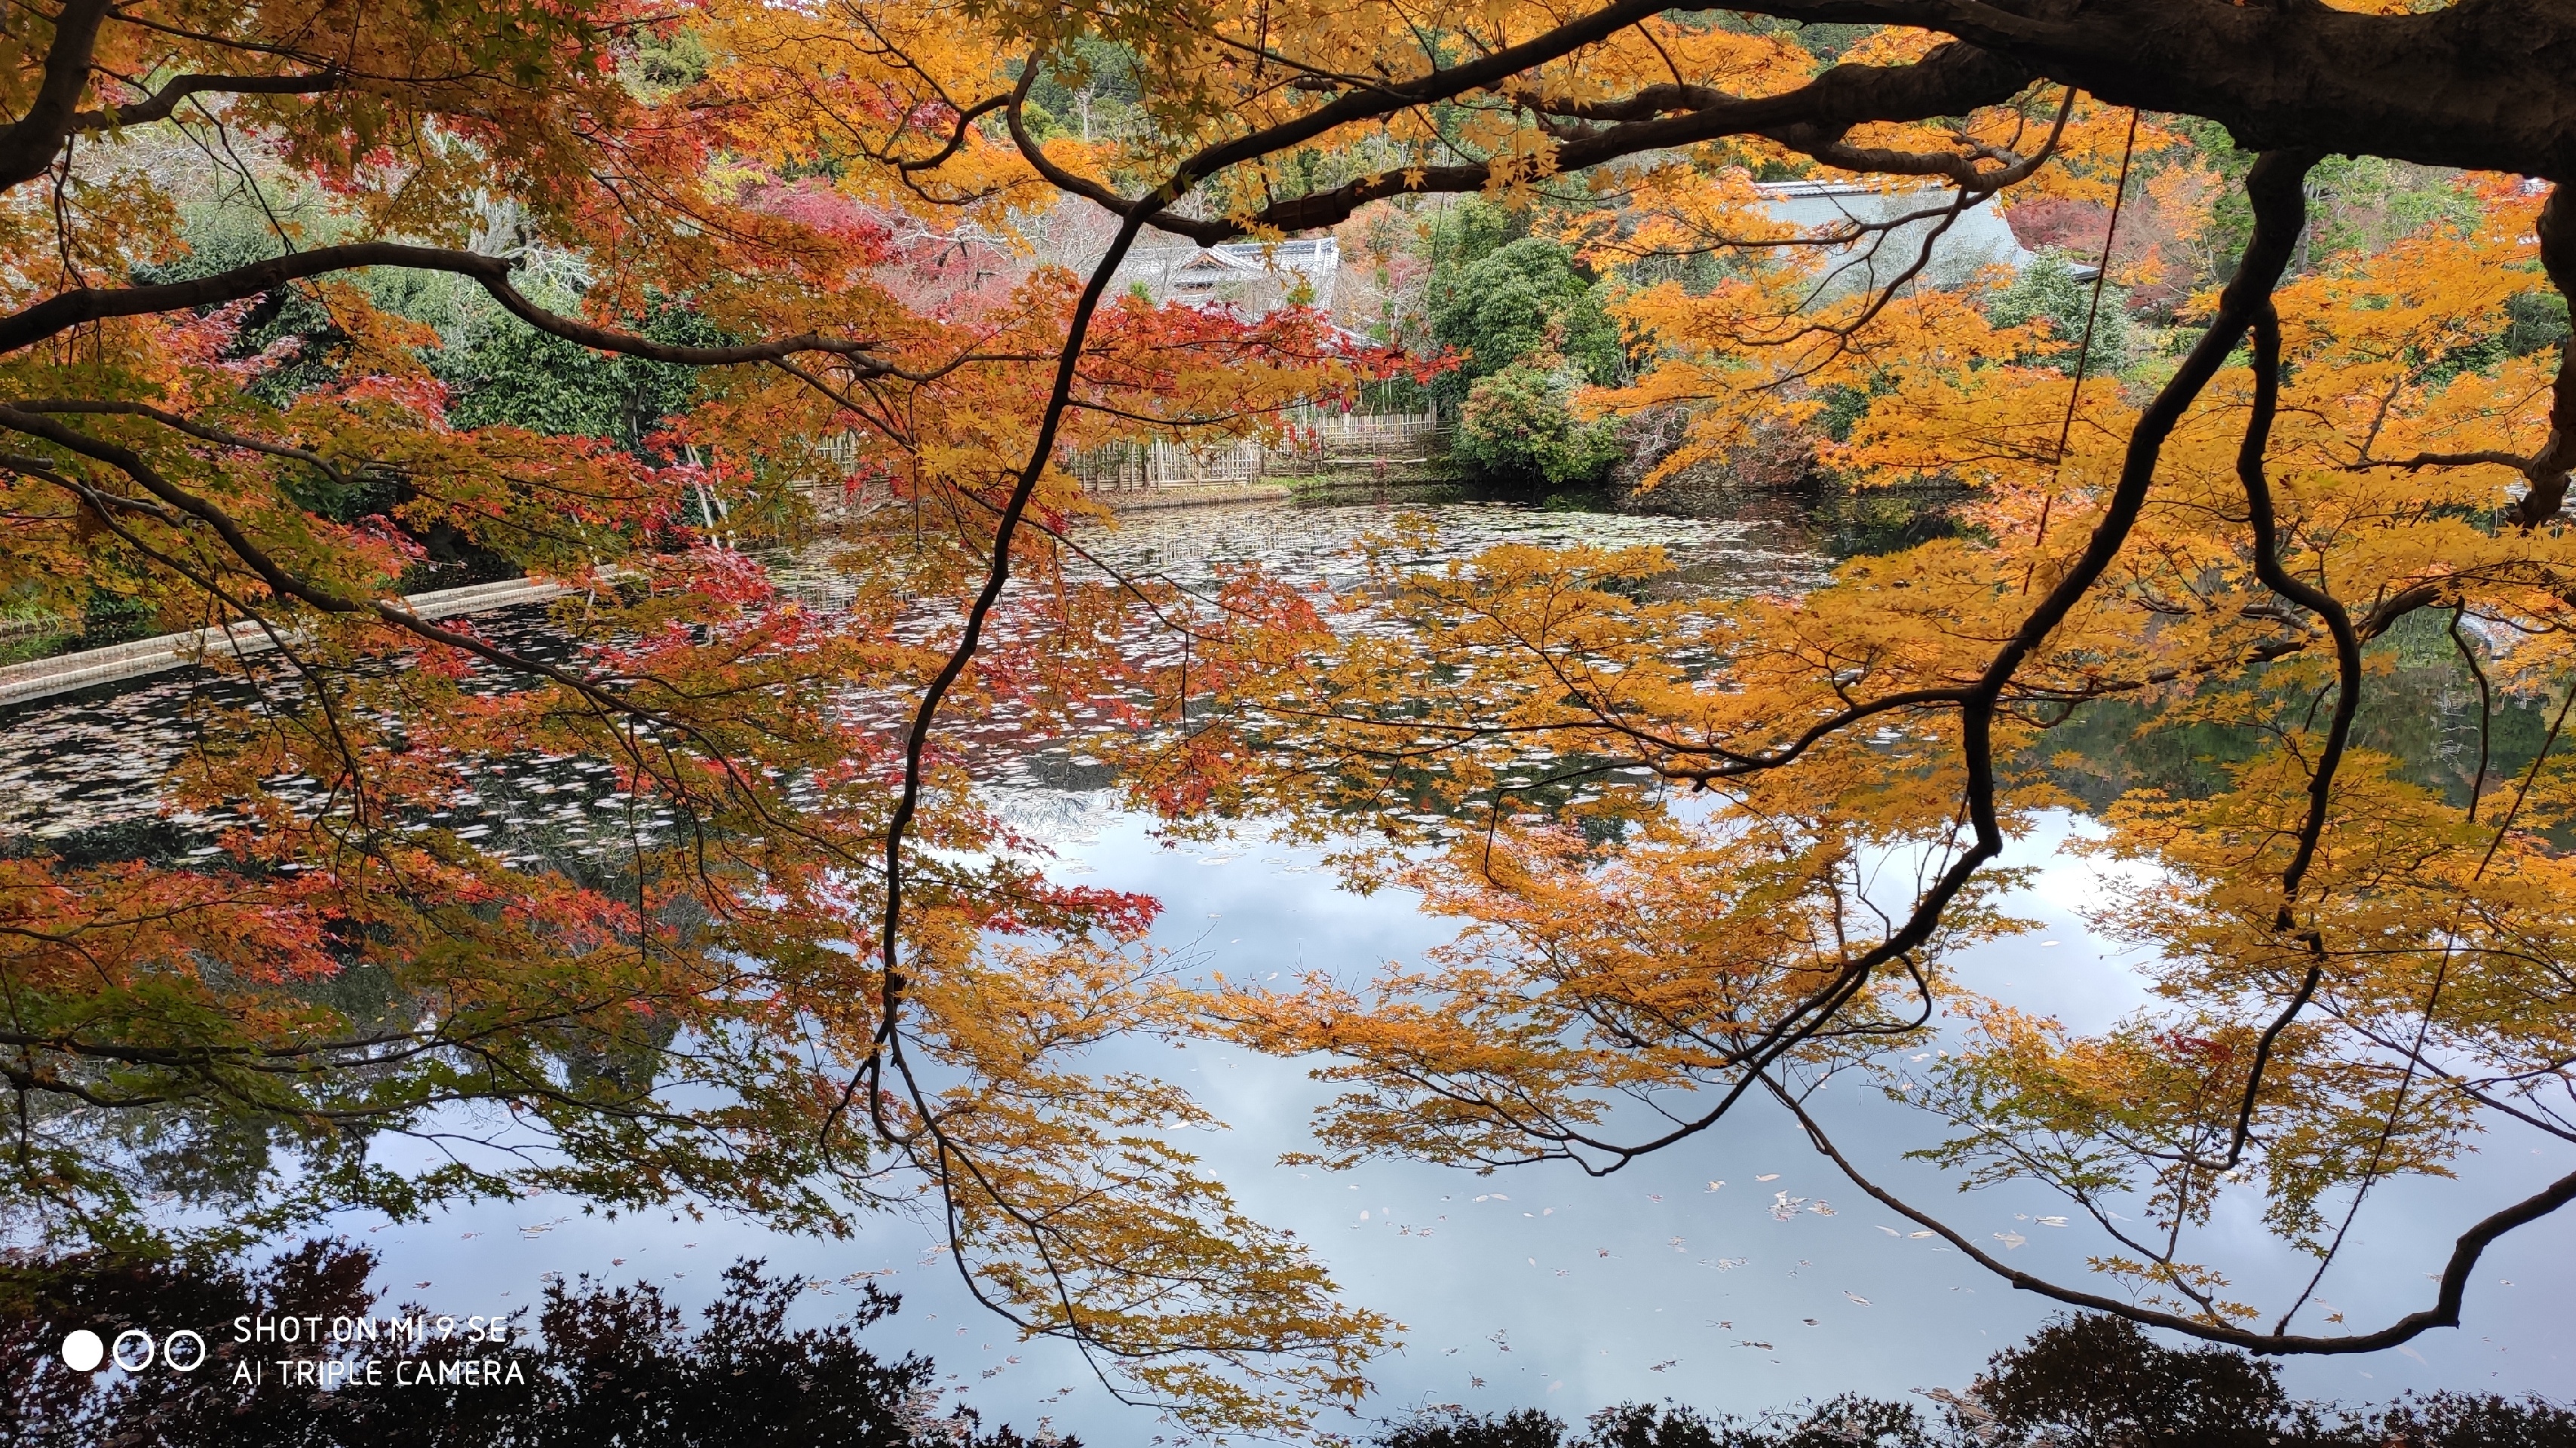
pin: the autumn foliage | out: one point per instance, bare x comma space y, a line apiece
819, 546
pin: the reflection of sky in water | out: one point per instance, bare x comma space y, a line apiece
1592, 1283
1556, 1290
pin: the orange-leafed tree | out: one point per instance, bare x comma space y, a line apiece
1707, 849
783, 959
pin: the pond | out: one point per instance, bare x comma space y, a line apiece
1734, 1272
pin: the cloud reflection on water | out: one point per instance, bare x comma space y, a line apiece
1555, 1290
1703, 1296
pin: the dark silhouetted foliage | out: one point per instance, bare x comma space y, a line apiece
1453, 1427
2079, 1382
2101, 1382
1643, 1425
2468, 1420
608, 1367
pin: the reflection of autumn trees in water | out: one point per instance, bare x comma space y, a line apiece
595, 1364
2422, 712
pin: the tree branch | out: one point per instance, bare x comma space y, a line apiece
2549, 468
2267, 566
28, 146
2445, 1311
2274, 186
2478, 85
202, 431
158, 105
1952, 80
65, 310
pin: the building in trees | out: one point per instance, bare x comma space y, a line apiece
1251, 278
1977, 239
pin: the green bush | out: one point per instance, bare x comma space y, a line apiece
1522, 299
2049, 291
505, 371
1519, 427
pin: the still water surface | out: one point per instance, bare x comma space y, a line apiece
1537, 1286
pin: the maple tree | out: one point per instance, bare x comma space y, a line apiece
2333, 944
815, 923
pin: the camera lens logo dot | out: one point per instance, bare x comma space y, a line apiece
83, 1352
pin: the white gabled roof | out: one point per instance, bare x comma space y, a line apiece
1218, 261
1245, 269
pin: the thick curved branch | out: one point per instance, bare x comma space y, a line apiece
1952, 80
65, 310
100, 502
1841, 97
2479, 85
966, 119
158, 105
2486, 707
203, 432
179, 500
2347, 640
2497, 457
28, 146
1015, 121
2445, 1311
1825, 143
2548, 469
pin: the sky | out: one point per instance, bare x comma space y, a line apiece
1543, 1286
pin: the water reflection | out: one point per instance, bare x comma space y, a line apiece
2421, 708
1680, 1276
92, 759
1556, 1289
